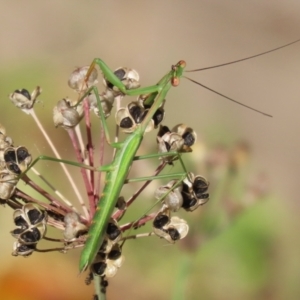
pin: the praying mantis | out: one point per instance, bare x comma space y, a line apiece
117, 170
126, 151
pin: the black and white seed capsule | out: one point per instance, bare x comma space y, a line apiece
23, 250
129, 77
130, 116
17, 159
31, 223
174, 230
194, 192
34, 215
10, 155
146, 102
161, 220
113, 231
169, 142
23, 99
30, 236
108, 265
99, 268
188, 134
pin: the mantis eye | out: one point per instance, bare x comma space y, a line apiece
175, 81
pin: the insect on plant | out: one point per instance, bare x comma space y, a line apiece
98, 228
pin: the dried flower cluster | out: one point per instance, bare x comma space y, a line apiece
32, 216
181, 191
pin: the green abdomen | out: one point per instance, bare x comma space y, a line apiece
113, 186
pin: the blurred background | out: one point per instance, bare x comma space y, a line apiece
255, 253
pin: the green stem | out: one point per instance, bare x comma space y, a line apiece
98, 288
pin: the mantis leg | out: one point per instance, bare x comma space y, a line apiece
112, 78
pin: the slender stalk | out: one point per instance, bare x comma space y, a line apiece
31, 183
74, 187
89, 146
90, 192
59, 194
99, 289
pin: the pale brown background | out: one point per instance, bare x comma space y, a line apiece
47, 39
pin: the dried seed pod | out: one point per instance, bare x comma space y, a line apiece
108, 265
172, 199
161, 222
169, 142
23, 158
78, 81
9, 155
178, 228
31, 223
67, 114
179, 139
98, 268
106, 246
194, 192
129, 77
8, 184
5, 141
31, 236
23, 250
107, 100
22, 99
73, 226
171, 229
113, 231
20, 220
113, 266
188, 134
17, 159
146, 102
129, 117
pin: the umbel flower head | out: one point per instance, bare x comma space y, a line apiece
34, 214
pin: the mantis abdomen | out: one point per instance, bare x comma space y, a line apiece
113, 185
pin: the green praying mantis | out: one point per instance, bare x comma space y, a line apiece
117, 170
126, 151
